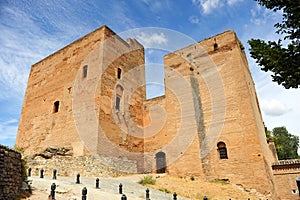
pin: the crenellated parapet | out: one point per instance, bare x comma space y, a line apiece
286, 164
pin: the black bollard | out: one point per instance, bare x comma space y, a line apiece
120, 188
29, 172
54, 173
53, 187
84, 193
78, 179
147, 194
174, 196
205, 198
42, 173
97, 183
123, 197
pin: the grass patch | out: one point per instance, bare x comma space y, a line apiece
220, 181
165, 190
147, 180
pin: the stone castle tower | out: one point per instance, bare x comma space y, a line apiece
90, 96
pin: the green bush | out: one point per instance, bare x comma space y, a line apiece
147, 180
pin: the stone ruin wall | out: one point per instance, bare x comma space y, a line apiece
10, 173
62, 160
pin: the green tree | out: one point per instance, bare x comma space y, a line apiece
283, 62
286, 144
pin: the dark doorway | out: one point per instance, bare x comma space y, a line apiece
161, 162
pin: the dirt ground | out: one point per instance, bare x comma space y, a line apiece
165, 186
197, 189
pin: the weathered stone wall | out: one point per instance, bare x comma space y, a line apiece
53, 79
10, 173
228, 112
88, 165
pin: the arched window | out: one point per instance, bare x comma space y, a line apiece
118, 99
119, 94
222, 150
55, 106
84, 71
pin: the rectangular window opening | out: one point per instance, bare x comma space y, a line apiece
55, 106
119, 73
84, 72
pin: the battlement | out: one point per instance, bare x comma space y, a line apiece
286, 164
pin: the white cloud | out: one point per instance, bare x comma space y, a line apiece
194, 19
274, 107
152, 39
8, 129
261, 15
232, 2
207, 6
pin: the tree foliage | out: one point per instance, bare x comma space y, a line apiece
286, 144
283, 62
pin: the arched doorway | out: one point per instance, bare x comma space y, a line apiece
160, 162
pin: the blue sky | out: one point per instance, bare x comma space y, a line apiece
31, 30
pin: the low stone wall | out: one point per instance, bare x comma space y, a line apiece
88, 165
10, 173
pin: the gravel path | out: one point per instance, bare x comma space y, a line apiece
66, 189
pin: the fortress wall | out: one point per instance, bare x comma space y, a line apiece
50, 80
243, 128
121, 125
241, 123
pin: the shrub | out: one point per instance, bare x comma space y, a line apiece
147, 180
